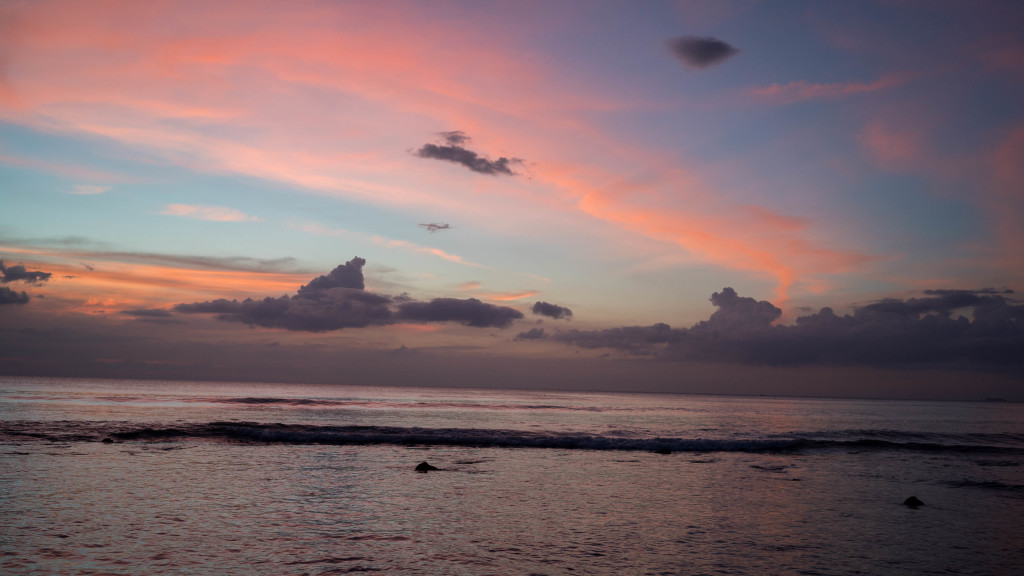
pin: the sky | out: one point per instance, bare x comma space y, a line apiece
749, 197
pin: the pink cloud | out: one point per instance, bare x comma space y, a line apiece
211, 213
89, 189
893, 147
801, 90
758, 240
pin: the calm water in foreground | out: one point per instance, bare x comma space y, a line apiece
212, 478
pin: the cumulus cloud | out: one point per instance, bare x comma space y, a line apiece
339, 300
552, 310
699, 53
8, 296
952, 328
18, 273
453, 151
347, 275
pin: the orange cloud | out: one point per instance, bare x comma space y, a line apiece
509, 296
114, 286
760, 242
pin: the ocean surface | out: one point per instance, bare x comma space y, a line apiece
137, 477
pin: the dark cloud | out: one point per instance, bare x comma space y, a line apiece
640, 340
20, 274
696, 52
152, 315
737, 314
552, 310
339, 300
332, 309
455, 137
347, 275
331, 302
454, 151
469, 312
148, 313
434, 227
532, 334
930, 331
8, 296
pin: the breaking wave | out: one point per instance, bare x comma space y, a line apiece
261, 433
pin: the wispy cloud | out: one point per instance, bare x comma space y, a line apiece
211, 213
801, 90
319, 229
89, 189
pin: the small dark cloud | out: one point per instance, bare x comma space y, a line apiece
454, 151
455, 137
18, 273
552, 310
469, 312
435, 227
699, 53
532, 334
8, 296
339, 300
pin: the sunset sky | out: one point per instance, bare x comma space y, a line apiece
608, 195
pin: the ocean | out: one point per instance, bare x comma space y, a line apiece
141, 477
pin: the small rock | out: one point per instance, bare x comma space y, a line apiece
424, 467
913, 502
663, 450
107, 441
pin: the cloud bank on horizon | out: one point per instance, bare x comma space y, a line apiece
890, 332
339, 300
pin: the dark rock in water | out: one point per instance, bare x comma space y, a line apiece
913, 502
662, 451
107, 441
424, 467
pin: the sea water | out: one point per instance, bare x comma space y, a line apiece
134, 477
